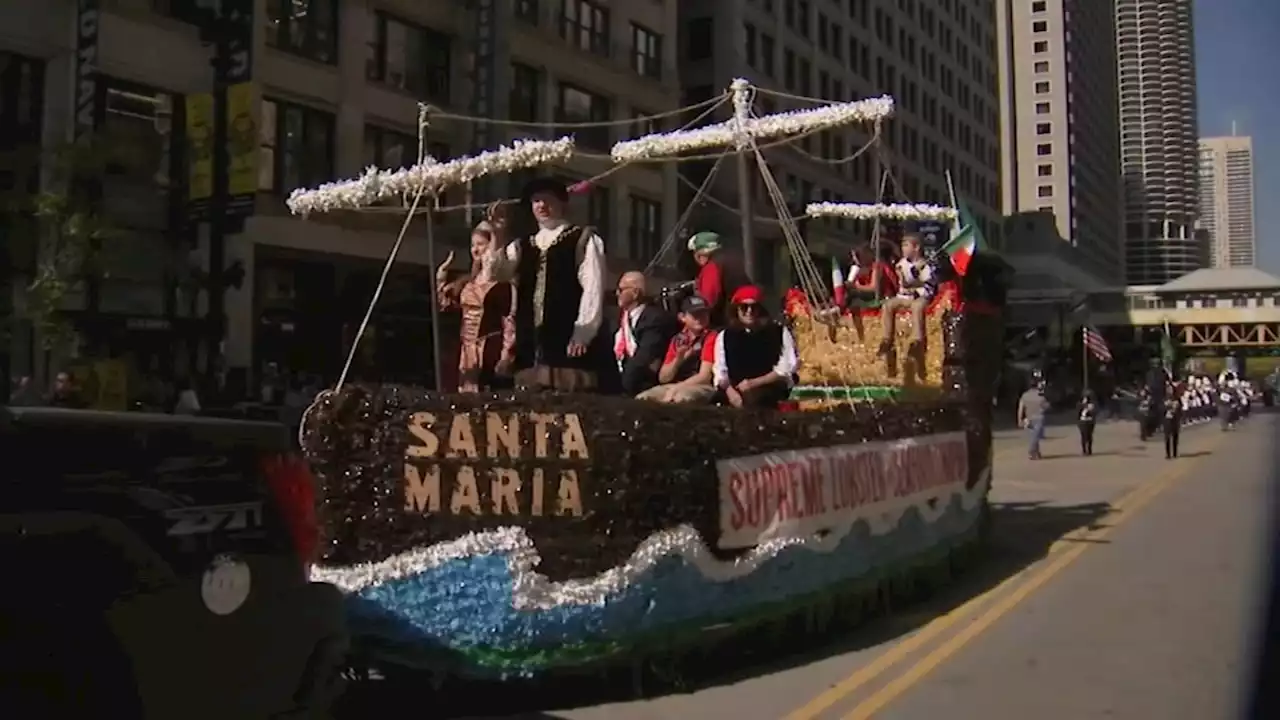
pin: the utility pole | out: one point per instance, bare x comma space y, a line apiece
230, 28
741, 113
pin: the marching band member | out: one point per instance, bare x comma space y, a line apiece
1171, 421
559, 276
1087, 421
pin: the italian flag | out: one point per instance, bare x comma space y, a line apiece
966, 239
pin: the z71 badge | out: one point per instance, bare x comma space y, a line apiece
211, 518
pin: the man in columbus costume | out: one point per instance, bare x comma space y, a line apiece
559, 275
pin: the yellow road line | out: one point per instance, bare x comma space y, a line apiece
942, 623
1128, 505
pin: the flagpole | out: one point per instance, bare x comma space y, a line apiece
951, 190
1084, 360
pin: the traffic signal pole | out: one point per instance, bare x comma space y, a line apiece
216, 314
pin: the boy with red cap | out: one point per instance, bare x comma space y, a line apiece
754, 358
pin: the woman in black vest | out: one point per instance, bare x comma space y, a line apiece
755, 358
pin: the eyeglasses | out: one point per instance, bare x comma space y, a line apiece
748, 308
624, 288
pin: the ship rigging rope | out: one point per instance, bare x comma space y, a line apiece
437, 113
684, 217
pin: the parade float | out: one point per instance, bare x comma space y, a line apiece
507, 535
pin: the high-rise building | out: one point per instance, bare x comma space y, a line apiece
937, 59
1226, 200
1060, 139
1158, 140
336, 87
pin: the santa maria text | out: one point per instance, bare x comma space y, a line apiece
505, 464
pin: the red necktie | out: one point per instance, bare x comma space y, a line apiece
620, 347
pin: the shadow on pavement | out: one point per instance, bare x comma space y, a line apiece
1021, 533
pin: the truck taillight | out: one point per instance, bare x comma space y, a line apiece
294, 489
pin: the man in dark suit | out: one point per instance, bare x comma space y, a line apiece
644, 330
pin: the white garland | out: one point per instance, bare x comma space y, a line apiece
428, 177
768, 127
871, 211
533, 590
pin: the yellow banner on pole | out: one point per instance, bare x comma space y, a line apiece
242, 142
199, 147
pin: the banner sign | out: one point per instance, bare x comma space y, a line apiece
199, 124
88, 14
242, 149
932, 237
796, 493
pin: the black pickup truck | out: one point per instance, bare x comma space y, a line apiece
157, 567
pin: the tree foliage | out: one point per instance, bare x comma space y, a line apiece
59, 225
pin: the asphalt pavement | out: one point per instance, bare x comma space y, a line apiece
1122, 585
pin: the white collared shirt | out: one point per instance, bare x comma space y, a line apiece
590, 275
627, 330
786, 366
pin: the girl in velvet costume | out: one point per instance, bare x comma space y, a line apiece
488, 308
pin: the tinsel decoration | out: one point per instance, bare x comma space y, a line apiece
429, 177
907, 212
767, 127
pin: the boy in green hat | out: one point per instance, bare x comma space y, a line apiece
715, 282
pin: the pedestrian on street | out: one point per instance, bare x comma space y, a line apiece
1032, 409
1144, 412
1172, 423
1087, 420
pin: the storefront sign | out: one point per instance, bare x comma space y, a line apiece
797, 493
88, 15
488, 464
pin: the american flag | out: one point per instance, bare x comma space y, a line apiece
1096, 345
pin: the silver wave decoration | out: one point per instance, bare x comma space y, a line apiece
534, 591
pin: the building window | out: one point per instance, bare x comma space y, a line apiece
1042, 108
1042, 87
1040, 26
700, 39
600, 209
1037, 6
1044, 191
581, 106
585, 25
750, 47
305, 28
1042, 66
389, 149
527, 10
1044, 170
644, 123
295, 145
1044, 149
768, 53
138, 123
1043, 128
645, 234
526, 93
1040, 46
408, 57
647, 48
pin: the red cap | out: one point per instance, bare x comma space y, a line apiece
746, 295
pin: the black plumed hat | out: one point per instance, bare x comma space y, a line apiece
548, 185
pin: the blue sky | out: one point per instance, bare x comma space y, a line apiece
1238, 80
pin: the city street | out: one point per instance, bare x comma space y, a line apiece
1121, 585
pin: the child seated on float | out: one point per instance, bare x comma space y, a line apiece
916, 286
754, 360
686, 372
870, 279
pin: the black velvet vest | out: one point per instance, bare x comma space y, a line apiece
549, 294
751, 354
